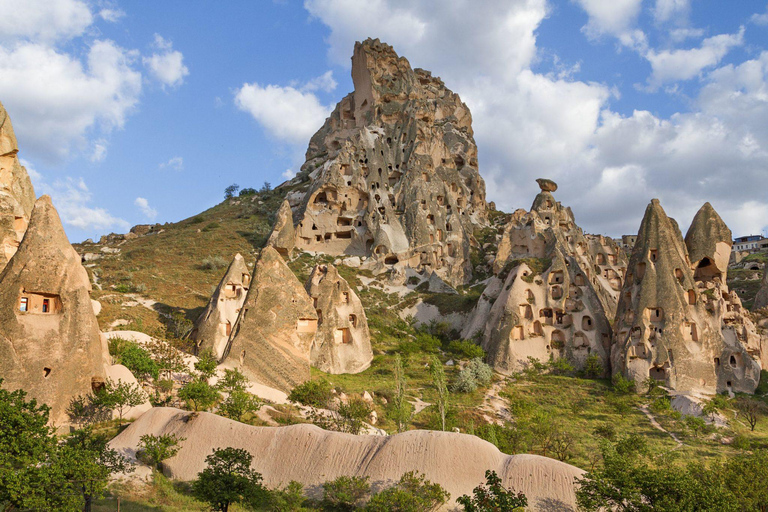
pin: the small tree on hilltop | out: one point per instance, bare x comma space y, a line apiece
199, 395
493, 497
231, 190
229, 479
120, 397
206, 366
155, 449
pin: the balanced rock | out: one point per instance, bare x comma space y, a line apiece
214, 325
392, 174
546, 185
342, 343
283, 235
17, 197
273, 334
671, 311
553, 291
50, 344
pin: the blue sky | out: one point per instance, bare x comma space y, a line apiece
135, 112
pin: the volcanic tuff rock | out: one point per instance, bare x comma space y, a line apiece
50, 344
283, 235
552, 290
761, 299
214, 325
273, 334
342, 343
17, 197
672, 309
393, 171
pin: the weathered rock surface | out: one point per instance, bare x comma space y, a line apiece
761, 299
393, 172
17, 197
273, 334
342, 343
50, 344
675, 316
283, 235
312, 456
553, 291
214, 325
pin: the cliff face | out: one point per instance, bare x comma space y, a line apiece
393, 172
675, 316
17, 197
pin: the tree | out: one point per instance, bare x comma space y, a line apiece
714, 405
412, 493
441, 386
345, 493
239, 403
206, 365
287, 499
400, 409
138, 360
231, 190
153, 450
228, 479
167, 358
752, 410
178, 326
199, 395
493, 497
120, 397
350, 416
312, 393
266, 188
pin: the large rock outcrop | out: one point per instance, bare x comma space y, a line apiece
17, 197
342, 343
392, 174
553, 291
214, 325
761, 299
283, 237
50, 344
672, 318
273, 334
313, 456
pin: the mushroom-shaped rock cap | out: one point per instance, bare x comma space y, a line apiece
706, 231
546, 185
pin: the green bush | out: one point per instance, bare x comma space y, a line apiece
313, 393
593, 367
482, 372
427, 343
621, 385
345, 493
155, 449
197, 219
137, 359
199, 395
465, 349
475, 374
560, 366
762, 387
412, 493
213, 262
465, 382
211, 227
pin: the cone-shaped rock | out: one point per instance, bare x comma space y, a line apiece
283, 235
50, 344
709, 243
668, 323
17, 197
214, 325
392, 174
273, 334
342, 343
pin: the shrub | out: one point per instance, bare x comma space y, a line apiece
287, 499
210, 227
427, 343
197, 219
465, 349
606, 431
593, 367
621, 385
493, 496
247, 191
482, 372
560, 366
695, 425
313, 393
155, 449
412, 493
465, 382
345, 493
762, 387
199, 395
661, 404
213, 263
231, 190
228, 479
137, 359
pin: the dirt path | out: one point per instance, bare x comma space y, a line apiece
655, 424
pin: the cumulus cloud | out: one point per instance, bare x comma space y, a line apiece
324, 82
759, 18
616, 18
43, 20
143, 205
667, 10
176, 163
166, 65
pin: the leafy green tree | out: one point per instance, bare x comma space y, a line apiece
399, 409
119, 397
745, 477
465, 349
153, 450
287, 499
199, 395
752, 410
493, 497
206, 365
441, 387
312, 393
167, 357
229, 479
238, 404
621, 385
412, 493
593, 367
351, 415
345, 493
138, 360
231, 190
714, 405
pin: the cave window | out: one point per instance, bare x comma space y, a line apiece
640, 270
529, 296
654, 254
556, 292
97, 384
679, 274
586, 323
431, 219
342, 336
556, 277
656, 314
24, 305
658, 373
229, 328
440, 200
390, 260
353, 320
717, 361
733, 360
448, 226
46, 372
46, 305
345, 297
518, 333
600, 258
691, 297
321, 198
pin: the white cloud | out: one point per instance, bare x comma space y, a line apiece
176, 163
675, 65
99, 150
759, 18
143, 205
289, 114
667, 10
613, 17
167, 66
289, 174
43, 20
324, 82
111, 15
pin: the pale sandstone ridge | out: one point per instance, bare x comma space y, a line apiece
283, 235
17, 197
214, 325
272, 336
562, 310
676, 321
312, 456
50, 344
761, 299
392, 174
342, 343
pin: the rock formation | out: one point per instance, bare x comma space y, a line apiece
17, 197
676, 320
761, 299
272, 336
313, 456
214, 325
342, 343
392, 174
50, 344
553, 290
283, 235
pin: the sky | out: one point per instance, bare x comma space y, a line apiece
130, 112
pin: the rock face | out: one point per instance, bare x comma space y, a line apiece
272, 336
283, 235
676, 321
553, 291
17, 197
761, 299
342, 343
50, 344
214, 325
393, 171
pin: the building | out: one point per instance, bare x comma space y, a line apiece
750, 243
